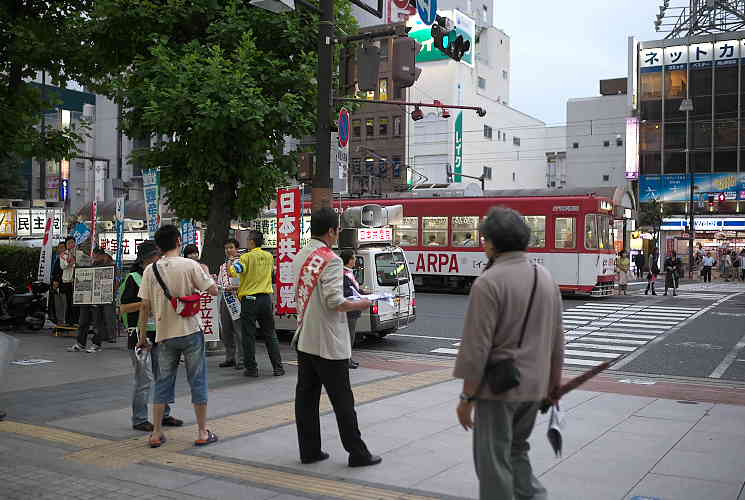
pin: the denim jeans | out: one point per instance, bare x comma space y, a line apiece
194, 351
145, 374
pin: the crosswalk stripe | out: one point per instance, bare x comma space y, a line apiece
630, 330
590, 354
674, 308
574, 316
679, 317
650, 324
616, 341
623, 335
444, 350
608, 347
581, 362
575, 321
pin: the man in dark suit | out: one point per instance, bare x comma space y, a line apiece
351, 290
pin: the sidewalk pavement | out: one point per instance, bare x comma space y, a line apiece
68, 436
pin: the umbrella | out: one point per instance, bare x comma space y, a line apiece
575, 382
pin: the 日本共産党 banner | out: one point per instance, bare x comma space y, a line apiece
289, 218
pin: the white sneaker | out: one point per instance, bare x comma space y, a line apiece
76, 348
93, 348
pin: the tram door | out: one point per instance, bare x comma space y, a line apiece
566, 270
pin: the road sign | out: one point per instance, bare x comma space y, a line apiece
427, 10
343, 128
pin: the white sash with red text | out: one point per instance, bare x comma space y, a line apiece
310, 273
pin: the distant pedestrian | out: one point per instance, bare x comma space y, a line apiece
255, 269
514, 312
741, 258
145, 373
57, 300
323, 344
622, 271
672, 271
230, 317
352, 291
653, 269
192, 252
69, 259
708, 262
176, 334
639, 265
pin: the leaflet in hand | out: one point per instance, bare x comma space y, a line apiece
387, 297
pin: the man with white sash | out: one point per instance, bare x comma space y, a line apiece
230, 309
323, 344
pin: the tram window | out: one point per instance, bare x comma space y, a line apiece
391, 269
465, 232
591, 232
435, 231
537, 225
605, 231
598, 232
565, 234
407, 233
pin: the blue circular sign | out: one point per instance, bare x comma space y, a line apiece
343, 127
427, 10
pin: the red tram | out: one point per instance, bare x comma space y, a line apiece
570, 234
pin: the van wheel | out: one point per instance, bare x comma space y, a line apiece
383, 333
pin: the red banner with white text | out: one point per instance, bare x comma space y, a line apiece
289, 218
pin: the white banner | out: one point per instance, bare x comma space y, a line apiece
45, 256
209, 316
93, 286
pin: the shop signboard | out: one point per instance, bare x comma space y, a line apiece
289, 217
8, 222
677, 187
705, 224
32, 222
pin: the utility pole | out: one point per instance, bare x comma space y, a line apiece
321, 187
43, 161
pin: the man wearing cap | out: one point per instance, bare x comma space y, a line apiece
145, 373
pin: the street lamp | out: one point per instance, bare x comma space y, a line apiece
687, 107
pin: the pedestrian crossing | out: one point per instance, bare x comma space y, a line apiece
597, 332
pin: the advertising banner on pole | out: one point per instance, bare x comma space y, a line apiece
80, 233
45, 257
289, 218
458, 148
188, 233
94, 236
119, 232
151, 190
677, 187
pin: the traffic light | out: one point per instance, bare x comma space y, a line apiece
405, 72
721, 197
711, 200
447, 39
368, 67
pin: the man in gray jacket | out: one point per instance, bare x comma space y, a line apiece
500, 324
323, 344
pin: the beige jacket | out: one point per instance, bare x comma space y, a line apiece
498, 305
325, 331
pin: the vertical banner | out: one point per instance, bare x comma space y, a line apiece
94, 236
458, 147
209, 315
151, 189
45, 257
188, 233
119, 232
289, 218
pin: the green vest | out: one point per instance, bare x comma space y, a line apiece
125, 316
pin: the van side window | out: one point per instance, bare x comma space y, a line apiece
359, 270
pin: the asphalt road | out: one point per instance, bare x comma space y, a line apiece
700, 333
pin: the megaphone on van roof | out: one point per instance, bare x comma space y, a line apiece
371, 216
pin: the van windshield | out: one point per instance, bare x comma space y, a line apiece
391, 269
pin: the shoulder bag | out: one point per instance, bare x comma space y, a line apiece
503, 375
187, 305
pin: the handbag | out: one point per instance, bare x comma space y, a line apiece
187, 305
503, 375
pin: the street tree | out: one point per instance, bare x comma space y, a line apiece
34, 38
651, 215
219, 85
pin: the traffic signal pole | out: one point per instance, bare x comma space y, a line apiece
321, 186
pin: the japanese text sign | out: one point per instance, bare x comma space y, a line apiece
151, 191
209, 316
289, 219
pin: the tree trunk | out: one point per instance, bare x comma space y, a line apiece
218, 224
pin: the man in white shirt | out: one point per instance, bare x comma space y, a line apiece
176, 335
708, 262
323, 344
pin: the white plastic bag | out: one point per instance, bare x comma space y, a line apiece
8, 346
555, 428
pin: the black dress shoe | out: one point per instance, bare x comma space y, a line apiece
239, 366
353, 365
278, 372
320, 458
251, 373
226, 364
2, 416
364, 461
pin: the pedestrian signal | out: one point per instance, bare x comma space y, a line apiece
368, 67
722, 197
405, 72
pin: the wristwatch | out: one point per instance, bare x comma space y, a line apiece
466, 398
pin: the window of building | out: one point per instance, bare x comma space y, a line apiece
396, 166
702, 131
565, 235
675, 84
515, 141
606, 177
575, 145
505, 74
674, 162
482, 83
650, 163
499, 135
606, 144
396, 126
725, 160
370, 95
650, 136
650, 86
537, 225
726, 134
383, 89
487, 173
619, 142
384, 50
435, 231
369, 127
487, 132
675, 135
383, 126
356, 128
356, 166
397, 92
369, 166
465, 232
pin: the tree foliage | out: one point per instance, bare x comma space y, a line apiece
12, 183
35, 36
224, 83
651, 215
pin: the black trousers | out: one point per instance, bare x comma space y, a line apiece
88, 316
706, 273
333, 375
72, 313
258, 308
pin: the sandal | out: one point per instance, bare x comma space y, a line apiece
157, 442
211, 438
172, 422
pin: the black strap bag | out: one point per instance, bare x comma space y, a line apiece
503, 375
